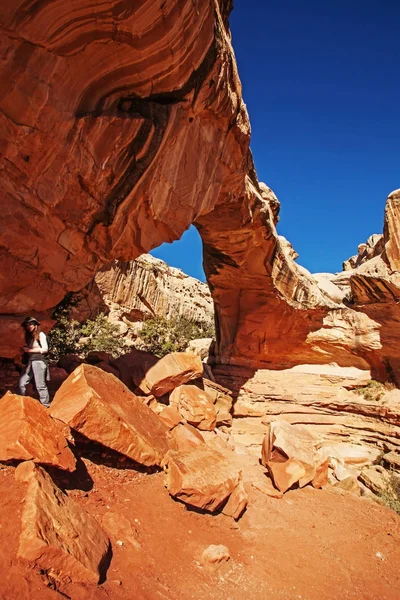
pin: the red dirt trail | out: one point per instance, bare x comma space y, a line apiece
310, 545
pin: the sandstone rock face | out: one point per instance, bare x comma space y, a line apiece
144, 288
27, 432
202, 477
318, 397
119, 150
56, 534
373, 247
195, 405
100, 407
172, 371
122, 144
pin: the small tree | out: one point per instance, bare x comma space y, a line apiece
64, 336
71, 337
102, 335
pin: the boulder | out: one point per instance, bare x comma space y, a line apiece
195, 405
105, 366
184, 438
237, 502
392, 459
97, 356
69, 362
200, 347
266, 486
170, 416
100, 407
27, 432
57, 535
289, 451
376, 478
321, 477
295, 442
203, 477
213, 555
350, 484
171, 371
285, 474
222, 398
133, 366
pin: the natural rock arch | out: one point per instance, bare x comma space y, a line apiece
120, 128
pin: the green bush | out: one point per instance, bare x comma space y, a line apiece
64, 336
71, 337
161, 336
102, 335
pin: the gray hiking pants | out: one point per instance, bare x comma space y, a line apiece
38, 370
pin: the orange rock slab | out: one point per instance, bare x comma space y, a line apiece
286, 474
171, 371
100, 407
57, 536
202, 477
27, 432
195, 405
184, 437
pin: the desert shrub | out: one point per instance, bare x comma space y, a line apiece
374, 390
102, 335
64, 336
161, 336
71, 337
390, 496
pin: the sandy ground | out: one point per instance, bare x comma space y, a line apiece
310, 545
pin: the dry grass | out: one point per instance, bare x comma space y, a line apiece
390, 496
374, 390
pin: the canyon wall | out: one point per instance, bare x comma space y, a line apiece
144, 288
121, 125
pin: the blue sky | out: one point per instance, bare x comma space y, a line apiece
321, 81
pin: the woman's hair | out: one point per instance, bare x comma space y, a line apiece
31, 336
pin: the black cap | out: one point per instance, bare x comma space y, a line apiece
29, 320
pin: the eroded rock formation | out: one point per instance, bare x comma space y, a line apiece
144, 288
134, 129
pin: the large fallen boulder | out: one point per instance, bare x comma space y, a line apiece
184, 437
57, 536
171, 371
291, 455
27, 432
195, 405
223, 401
203, 477
133, 366
100, 407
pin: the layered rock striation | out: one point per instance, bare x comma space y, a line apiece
135, 128
144, 288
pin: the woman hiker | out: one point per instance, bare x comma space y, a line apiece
35, 364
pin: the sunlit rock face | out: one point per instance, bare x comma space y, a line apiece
270, 311
120, 125
144, 288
